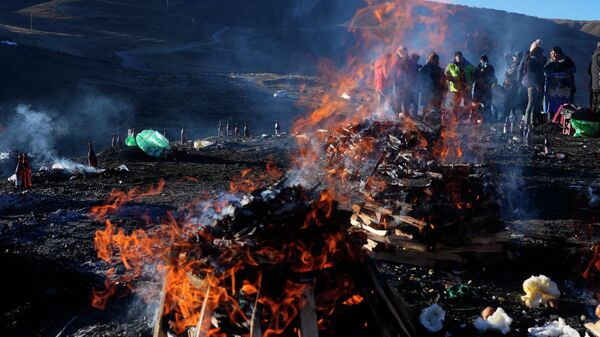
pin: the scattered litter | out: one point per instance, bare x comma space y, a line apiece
558, 328
280, 94
200, 144
498, 321
594, 328
4, 155
345, 96
153, 143
122, 168
432, 318
12, 178
44, 169
457, 290
538, 290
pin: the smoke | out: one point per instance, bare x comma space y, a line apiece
52, 131
33, 131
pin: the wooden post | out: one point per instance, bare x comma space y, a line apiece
255, 328
203, 325
308, 314
158, 329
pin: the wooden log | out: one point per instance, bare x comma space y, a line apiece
308, 314
409, 220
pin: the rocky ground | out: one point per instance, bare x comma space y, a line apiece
47, 252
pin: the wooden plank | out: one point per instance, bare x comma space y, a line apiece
158, 330
255, 328
308, 314
204, 321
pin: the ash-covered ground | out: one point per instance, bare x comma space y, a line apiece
550, 207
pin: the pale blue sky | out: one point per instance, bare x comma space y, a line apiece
553, 9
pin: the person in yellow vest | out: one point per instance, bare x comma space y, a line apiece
460, 79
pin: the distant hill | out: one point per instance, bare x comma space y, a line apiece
590, 27
258, 35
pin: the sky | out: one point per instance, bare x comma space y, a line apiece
551, 9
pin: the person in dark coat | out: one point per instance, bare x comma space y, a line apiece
433, 88
533, 80
405, 76
514, 101
484, 78
560, 81
595, 85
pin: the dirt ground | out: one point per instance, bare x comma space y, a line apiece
46, 238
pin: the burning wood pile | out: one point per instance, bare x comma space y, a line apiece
416, 209
278, 262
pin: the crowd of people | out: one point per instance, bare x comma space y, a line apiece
535, 86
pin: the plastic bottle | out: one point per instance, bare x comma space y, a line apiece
246, 131
19, 172
92, 159
183, 136
546, 144
113, 143
277, 130
236, 130
227, 129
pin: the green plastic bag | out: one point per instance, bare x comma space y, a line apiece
585, 128
130, 141
153, 143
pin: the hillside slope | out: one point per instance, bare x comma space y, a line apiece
590, 27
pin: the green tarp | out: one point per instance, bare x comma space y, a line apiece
585, 128
153, 143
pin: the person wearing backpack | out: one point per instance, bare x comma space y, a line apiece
595, 85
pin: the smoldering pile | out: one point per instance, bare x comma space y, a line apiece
417, 208
279, 261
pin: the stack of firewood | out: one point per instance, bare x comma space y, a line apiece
284, 263
416, 209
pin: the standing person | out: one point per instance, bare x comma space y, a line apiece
512, 85
460, 76
382, 78
405, 76
484, 78
595, 85
433, 88
533, 80
560, 81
